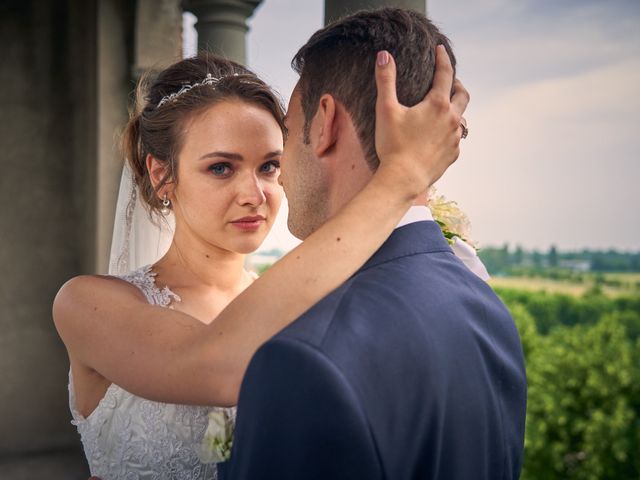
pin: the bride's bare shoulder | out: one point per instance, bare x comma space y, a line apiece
90, 292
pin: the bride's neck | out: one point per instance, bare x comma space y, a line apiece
192, 262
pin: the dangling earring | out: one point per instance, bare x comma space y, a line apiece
166, 206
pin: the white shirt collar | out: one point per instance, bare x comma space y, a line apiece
462, 250
416, 213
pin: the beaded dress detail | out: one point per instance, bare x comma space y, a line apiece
131, 438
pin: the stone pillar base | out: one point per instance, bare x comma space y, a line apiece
222, 25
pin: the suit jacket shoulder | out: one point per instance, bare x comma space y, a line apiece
429, 355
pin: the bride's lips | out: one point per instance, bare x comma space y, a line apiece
249, 223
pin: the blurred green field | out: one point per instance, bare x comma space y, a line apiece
611, 284
633, 278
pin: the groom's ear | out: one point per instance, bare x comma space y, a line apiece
324, 125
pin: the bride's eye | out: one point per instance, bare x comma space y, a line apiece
220, 169
270, 167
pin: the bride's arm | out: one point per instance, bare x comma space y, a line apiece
165, 355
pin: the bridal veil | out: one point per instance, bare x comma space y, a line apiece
139, 237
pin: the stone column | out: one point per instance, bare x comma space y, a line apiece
44, 53
222, 25
47, 206
66, 79
114, 51
334, 9
158, 35
126, 48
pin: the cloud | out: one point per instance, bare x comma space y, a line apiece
501, 45
553, 162
552, 154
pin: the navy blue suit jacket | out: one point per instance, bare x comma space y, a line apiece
413, 369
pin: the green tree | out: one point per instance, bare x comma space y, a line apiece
582, 414
526, 327
553, 256
536, 258
518, 255
497, 260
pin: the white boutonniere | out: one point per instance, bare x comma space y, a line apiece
456, 228
452, 220
218, 439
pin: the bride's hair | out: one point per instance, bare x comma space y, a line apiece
180, 92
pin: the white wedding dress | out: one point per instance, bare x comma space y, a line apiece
129, 438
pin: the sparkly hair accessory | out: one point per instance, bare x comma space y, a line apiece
208, 80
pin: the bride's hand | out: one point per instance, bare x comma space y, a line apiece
417, 144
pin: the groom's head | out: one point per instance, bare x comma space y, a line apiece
331, 118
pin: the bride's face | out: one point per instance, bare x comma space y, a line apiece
227, 194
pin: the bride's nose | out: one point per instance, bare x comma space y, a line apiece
250, 190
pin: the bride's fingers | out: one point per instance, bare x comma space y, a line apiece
460, 98
387, 98
442, 78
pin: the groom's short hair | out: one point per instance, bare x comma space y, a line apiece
340, 60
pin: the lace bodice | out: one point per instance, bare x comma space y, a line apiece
131, 438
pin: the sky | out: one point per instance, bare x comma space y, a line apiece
552, 154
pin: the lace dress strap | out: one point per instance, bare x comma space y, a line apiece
145, 279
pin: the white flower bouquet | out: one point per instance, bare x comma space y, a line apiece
218, 439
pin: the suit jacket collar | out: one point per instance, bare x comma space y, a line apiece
412, 239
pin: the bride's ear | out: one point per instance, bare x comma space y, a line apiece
157, 170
